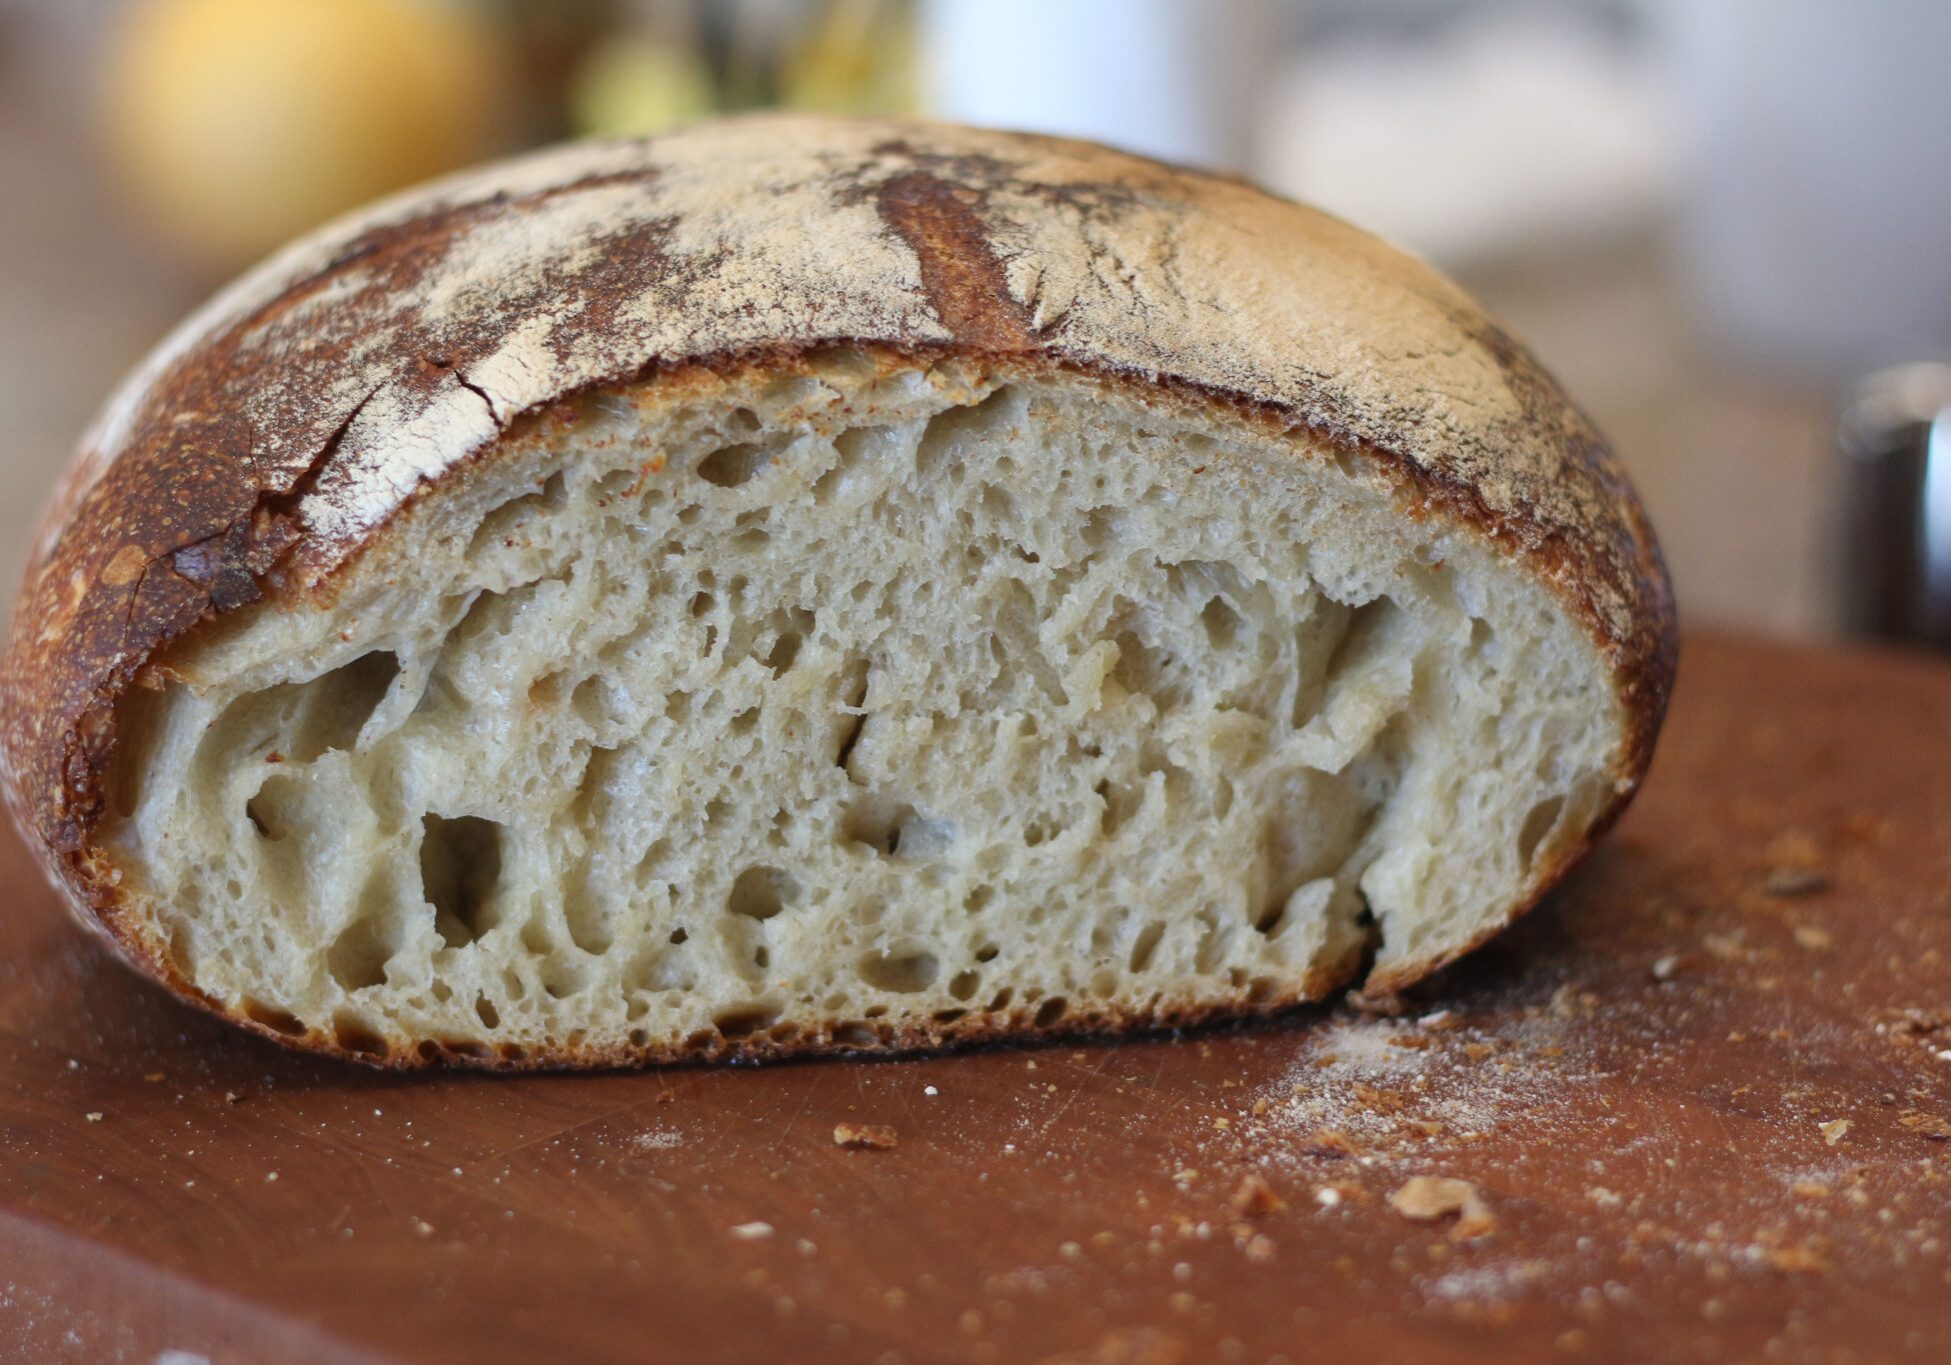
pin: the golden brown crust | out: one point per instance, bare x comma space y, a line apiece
283, 428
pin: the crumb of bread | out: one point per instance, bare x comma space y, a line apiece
1427, 1198
1254, 1197
876, 1137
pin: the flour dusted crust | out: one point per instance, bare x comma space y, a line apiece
282, 429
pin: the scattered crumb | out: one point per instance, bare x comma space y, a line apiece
1255, 1197
1327, 1196
1426, 1198
1330, 1142
422, 1228
1810, 1189
1797, 1260
270, 1177
929, 1090
1185, 1176
752, 1232
1260, 1248
1929, 1125
1835, 1131
94, 1116
1788, 882
1666, 968
232, 1097
657, 1140
1812, 937
877, 1137
1605, 1198
153, 1076
1381, 1003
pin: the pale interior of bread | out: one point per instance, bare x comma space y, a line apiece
812, 706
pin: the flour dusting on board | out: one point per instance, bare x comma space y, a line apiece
1385, 1089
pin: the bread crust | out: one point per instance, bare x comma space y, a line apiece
287, 425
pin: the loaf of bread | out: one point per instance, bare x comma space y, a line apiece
809, 585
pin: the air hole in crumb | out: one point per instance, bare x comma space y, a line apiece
352, 1034
680, 934
964, 985
1146, 945
337, 705
744, 722
743, 1021
852, 1035
1144, 671
702, 603
273, 1018
638, 1037
1260, 990
485, 1011
429, 1051
511, 1052
895, 828
1222, 623
256, 811
948, 1016
978, 898
734, 465
358, 957
900, 972
1272, 913
761, 892
1212, 944
786, 644
1002, 998
460, 867
1050, 1011
1537, 825
987, 952
877, 823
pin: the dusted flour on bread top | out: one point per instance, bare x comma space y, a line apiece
1174, 336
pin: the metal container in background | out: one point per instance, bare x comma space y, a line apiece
1894, 532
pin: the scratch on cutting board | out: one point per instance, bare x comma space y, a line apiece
1092, 1074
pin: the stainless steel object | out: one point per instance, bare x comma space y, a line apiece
1895, 526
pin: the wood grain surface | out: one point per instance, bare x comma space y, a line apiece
1702, 1101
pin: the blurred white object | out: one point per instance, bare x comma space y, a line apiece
1504, 132
1183, 80
1816, 230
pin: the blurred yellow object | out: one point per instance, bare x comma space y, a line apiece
858, 59
630, 86
239, 123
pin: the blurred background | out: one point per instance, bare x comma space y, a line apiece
1721, 222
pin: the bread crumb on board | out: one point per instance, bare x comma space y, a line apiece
869, 1137
1932, 1126
1835, 1131
1254, 1197
1427, 1198
752, 1232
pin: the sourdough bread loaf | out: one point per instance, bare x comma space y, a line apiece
804, 584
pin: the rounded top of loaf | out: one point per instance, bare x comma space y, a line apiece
263, 442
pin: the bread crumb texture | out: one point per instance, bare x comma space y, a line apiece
827, 704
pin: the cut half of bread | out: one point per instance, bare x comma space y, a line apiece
807, 584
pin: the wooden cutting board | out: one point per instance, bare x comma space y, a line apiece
1703, 1097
